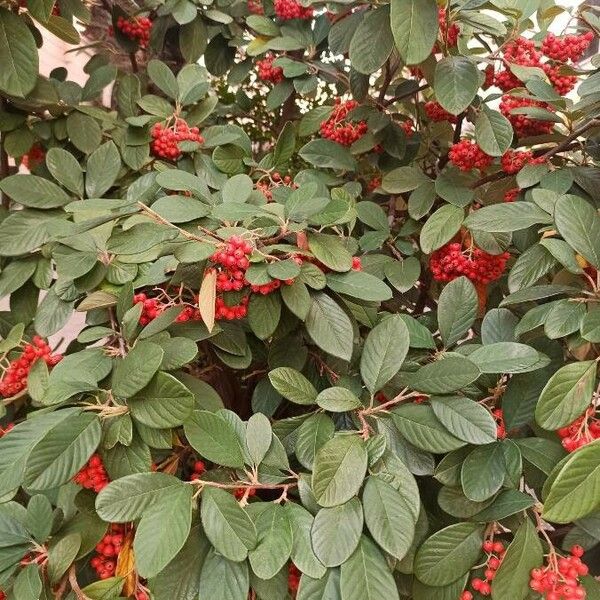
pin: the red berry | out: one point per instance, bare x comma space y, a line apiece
339, 128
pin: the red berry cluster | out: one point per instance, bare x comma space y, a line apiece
467, 155
198, 469
108, 548
569, 47
582, 431
151, 308
165, 138
14, 378
338, 128
523, 124
266, 70
408, 127
495, 553
563, 84
436, 113
498, 415
234, 260
136, 29
255, 7
294, 575
290, 9
512, 194
243, 492
513, 161
34, 157
374, 183
521, 52
490, 74
276, 180
93, 475
231, 312
449, 34
2, 595
559, 579
5, 430
450, 262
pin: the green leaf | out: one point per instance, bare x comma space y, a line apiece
482, 473
449, 374
359, 284
465, 419
297, 298
303, 555
506, 357
104, 589
83, 131
65, 169
507, 503
366, 575
566, 395
403, 179
493, 132
403, 274
522, 555
128, 498
264, 313
388, 516
293, 386
164, 402
448, 554
325, 588
34, 191
384, 352
575, 491
419, 425
136, 369
214, 438
365, 56
327, 154
339, 470
162, 532
222, 579
102, 170
312, 434
415, 28
336, 532
441, 227
258, 437
61, 554
274, 546
163, 78
504, 217
338, 399
20, 63
579, 224
330, 250
227, 525
28, 584
457, 309
62, 452
456, 83
330, 327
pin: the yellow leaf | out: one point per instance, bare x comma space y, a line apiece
207, 298
126, 566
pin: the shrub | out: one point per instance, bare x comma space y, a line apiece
339, 276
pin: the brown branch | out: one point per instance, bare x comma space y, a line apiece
406, 95
387, 79
133, 61
566, 144
4, 170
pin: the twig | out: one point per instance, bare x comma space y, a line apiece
4, 170
406, 95
75, 585
243, 485
186, 234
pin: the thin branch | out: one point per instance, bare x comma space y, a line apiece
406, 95
4, 169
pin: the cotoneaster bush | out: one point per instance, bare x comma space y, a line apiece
338, 266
